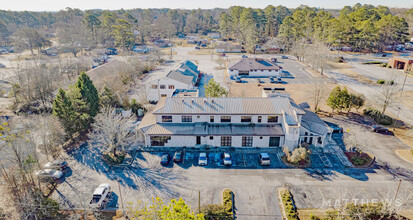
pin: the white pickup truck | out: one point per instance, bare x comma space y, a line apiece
100, 196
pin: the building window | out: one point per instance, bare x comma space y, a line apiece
226, 141
171, 87
245, 118
272, 119
274, 142
198, 117
154, 86
166, 118
159, 140
163, 95
225, 118
162, 86
305, 138
259, 119
247, 141
186, 118
211, 119
211, 137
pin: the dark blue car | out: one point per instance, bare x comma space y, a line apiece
165, 159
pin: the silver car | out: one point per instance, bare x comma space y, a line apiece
203, 159
49, 173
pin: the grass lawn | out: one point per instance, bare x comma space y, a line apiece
405, 154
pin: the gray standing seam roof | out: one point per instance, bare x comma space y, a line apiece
248, 64
313, 123
206, 129
229, 105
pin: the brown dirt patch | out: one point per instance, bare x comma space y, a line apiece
405, 154
405, 135
347, 70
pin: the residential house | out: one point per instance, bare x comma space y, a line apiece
186, 77
162, 43
226, 47
230, 122
214, 35
255, 67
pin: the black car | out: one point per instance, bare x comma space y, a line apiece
380, 129
336, 129
165, 159
178, 156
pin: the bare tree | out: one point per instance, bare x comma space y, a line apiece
113, 131
387, 95
318, 93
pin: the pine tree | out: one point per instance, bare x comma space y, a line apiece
214, 89
64, 111
334, 99
89, 93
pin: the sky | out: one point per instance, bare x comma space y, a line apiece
55, 5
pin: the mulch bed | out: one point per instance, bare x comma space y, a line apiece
360, 160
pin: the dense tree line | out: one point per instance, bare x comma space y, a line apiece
363, 27
252, 26
360, 27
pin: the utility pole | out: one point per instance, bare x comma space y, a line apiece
397, 118
404, 82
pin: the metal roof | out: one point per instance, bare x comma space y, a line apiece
206, 129
313, 123
187, 73
229, 105
248, 64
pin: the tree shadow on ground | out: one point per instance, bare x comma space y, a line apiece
155, 179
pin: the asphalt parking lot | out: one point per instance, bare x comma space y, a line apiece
241, 159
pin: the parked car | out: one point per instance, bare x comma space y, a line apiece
264, 159
49, 174
226, 159
197, 48
380, 129
336, 129
203, 159
178, 156
2, 65
100, 196
57, 164
238, 80
284, 57
165, 159
278, 80
244, 56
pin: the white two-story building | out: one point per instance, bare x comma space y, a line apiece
185, 77
226, 122
255, 67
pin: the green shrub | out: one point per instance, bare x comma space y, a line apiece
381, 81
388, 66
378, 117
383, 65
227, 197
288, 202
373, 62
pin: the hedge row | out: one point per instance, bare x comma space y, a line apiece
227, 200
289, 206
